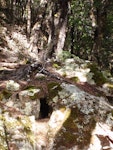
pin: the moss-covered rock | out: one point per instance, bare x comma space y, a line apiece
76, 68
5, 94
31, 91
53, 88
29, 101
98, 76
14, 132
76, 131
86, 111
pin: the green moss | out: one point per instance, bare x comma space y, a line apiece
75, 79
30, 87
2, 140
32, 91
76, 128
23, 122
5, 94
10, 124
98, 75
33, 97
64, 74
55, 65
27, 124
53, 89
41, 77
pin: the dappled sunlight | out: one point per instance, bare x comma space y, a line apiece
82, 74
20, 39
16, 46
101, 137
11, 44
17, 41
79, 70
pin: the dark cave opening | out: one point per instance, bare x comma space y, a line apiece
45, 109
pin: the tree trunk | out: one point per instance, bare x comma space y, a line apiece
57, 25
62, 25
28, 9
101, 18
49, 32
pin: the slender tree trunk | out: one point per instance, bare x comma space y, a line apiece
64, 6
28, 9
58, 25
12, 11
98, 37
100, 27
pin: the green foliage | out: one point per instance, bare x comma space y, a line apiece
81, 34
53, 89
64, 55
80, 28
98, 76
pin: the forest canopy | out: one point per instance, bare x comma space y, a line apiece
77, 27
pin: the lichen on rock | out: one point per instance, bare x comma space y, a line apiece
86, 110
12, 86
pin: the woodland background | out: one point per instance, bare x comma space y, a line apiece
70, 27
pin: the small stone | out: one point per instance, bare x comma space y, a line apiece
12, 86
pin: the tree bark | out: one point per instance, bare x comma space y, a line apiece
99, 33
28, 9
57, 25
49, 32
